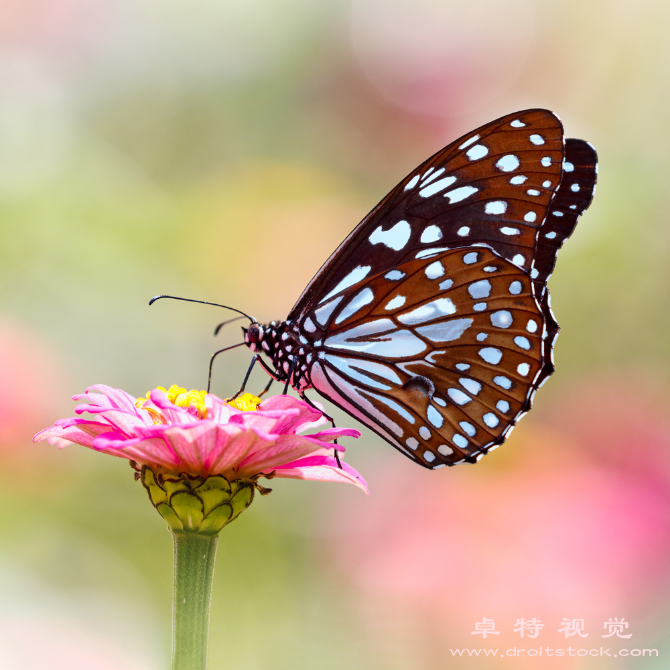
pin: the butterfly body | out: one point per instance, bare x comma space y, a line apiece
431, 322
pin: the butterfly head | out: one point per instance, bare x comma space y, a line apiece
253, 336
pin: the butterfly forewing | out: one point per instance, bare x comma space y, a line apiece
438, 356
492, 186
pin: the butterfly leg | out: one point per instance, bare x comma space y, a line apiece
330, 418
246, 377
267, 388
290, 375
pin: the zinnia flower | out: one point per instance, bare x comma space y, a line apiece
200, 457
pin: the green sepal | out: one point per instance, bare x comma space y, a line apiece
194, 504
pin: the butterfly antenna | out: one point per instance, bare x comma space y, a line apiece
225, 323
203, 302
211, 360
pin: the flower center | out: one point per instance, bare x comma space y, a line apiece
247, 402
179, 397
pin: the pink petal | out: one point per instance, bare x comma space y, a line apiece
82, 432
323, 469
284, 449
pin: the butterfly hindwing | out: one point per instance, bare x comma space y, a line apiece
438, 356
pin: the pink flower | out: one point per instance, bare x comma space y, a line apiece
197, 434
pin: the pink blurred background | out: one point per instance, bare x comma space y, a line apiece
221, 151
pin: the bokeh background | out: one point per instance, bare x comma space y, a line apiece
220, 150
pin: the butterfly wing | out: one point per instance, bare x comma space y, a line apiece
493, 186
496, 194
439, 359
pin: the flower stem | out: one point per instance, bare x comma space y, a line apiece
194, 556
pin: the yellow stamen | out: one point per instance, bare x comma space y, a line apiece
179, 397
247, 402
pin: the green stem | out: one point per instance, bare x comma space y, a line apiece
194, 556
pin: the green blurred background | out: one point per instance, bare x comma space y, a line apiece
221, 150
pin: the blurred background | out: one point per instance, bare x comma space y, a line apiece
221, 150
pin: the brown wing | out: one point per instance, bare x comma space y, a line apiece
440, 356
493, 186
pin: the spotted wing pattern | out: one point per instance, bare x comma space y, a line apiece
438, 356
415, 326
493, 186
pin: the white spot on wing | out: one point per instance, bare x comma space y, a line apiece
574, 188
433, 176
470, 258
431, 234
568, 167
530, 217
446, 331
446, 284
434, 270
395, 238
515, 288
412, 442
463, 231
352, 278
480, 289
412, 182
477, 152
503, 382
309, 325
495, 207
463, 366
536, 139
467, 428
505, 230
502, 406
467, 143
470, 385
522, 342
348, 367
459, 194
445, 450
323, 313
432, 310
523, 369
546, 161
434, 417
459, 397
518, 180
508, 163
550, 235
396, 302
491, 355
491, 420
517, 124
436, 187
394, 344
502, 318
459, 441
394, 275
424, 432
365, 297
519, 260
533, 191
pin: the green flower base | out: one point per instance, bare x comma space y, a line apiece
192, 504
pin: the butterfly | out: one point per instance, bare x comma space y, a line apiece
431, 323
